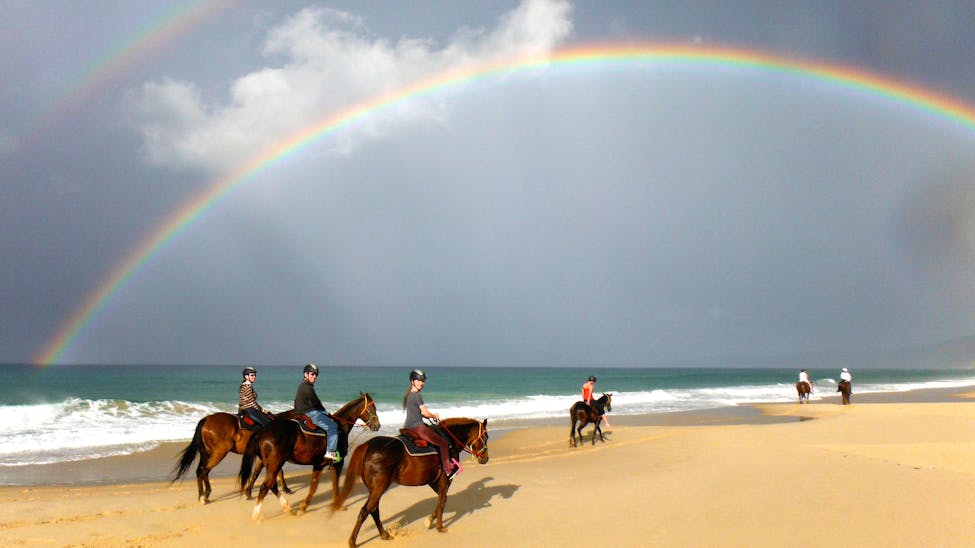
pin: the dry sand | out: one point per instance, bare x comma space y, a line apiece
869, 474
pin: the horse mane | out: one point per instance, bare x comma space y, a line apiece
345, 408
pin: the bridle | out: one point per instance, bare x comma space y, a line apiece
365, 409
469, 447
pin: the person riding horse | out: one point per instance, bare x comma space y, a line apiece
248, 406
587, 388
804, 377
307, 403
416, 411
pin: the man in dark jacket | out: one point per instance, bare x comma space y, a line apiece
307, 403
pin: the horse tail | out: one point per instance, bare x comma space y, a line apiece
188, 454
247, 460
356, 463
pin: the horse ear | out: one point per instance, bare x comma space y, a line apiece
485, 424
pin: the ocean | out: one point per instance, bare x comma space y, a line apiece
79, 412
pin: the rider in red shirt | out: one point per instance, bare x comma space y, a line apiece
587, 388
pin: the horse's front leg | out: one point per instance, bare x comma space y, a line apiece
437, 516
599, 431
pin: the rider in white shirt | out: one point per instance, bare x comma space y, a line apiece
804, 377
845, 375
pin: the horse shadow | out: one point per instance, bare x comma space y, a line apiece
476, 496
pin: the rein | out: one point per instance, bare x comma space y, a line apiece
469, 447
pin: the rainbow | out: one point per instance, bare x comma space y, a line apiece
161, 30
650, 55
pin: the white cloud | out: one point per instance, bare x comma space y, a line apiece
330, 63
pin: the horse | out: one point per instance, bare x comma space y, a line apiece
583, 413
284, 440
384, 460
804, 389
845, 388
215, 436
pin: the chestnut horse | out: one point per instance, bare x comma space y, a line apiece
215, 436
583, 414
384, 460
283, 440
804, 389
845, 388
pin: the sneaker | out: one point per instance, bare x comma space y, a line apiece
455, 469
333, 455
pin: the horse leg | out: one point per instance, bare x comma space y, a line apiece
270, 484
599, 431
257, 472
377, 486
581, 426
284, 485
316, 474
208, 461
441, 503
572, 433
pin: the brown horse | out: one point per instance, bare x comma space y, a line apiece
583, 414
215, 436
283, 440
803, 389
384, 460
845, 388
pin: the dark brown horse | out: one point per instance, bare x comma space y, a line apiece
845, 388
283, 440
215, 436
583, 414
384, 460
803, 389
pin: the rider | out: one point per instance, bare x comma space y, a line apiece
587, 388
416, 411
248, 399
307, 403
804, 377
846, 376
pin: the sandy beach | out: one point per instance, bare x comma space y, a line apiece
889, 470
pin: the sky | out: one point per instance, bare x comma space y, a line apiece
605, 213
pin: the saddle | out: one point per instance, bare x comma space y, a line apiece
415, 445
306, 425
247, 423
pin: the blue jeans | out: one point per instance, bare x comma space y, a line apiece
330, 427
259, 418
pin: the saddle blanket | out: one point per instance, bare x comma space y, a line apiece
414, 450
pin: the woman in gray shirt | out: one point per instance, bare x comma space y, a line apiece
416, 411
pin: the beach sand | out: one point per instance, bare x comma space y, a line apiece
889, 470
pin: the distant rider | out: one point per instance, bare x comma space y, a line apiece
248, 399
846, 376
587, 389
804, 377
307, 403
416, 411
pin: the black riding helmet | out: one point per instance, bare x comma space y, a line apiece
311, 368
591, 378
417, 374
248, 371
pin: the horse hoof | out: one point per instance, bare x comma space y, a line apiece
203, 500
441, 529
429, 522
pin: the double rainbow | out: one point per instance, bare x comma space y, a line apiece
694, 58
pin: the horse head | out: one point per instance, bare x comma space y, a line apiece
473, 435
609, 401
368, 413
